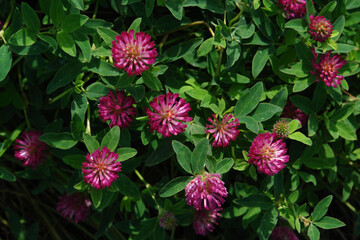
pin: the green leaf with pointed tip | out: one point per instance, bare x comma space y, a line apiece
96, 197
73, 22
5, 61
175, 7
256, 200
183, 155
125, 153
174, 186
268, 222
151, 81
66, 43
57, 12
329, 223
23, 37
30, 18
321, 208
224, 165
62, 140
249, 101
199, 155
127, 187
313, 232
107, 34
260, 59
111, 139
135, 25
265, 111
7, 175
90, 142
300, 137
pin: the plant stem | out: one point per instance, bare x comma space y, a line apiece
96, 9
25, 100
61, 95
147, 185
219, 62
88, 128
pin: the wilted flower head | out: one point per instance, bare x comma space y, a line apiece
320, 28
118, 109
281, 128
167, 220
293, 8
76, 206
292, 112
168, 114
205, 220
133, 55
101, 168
224, 131
206, 192
29, 149
283, 233
327, 68
268, 154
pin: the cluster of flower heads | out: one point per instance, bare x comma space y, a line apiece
293, 8
75, 206
206, 193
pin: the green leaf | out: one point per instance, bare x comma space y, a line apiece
79, 4
280, 98
310, 9
224, 165
75, 160
30, 18
328, 8
313, 125
81, 186
209, 5
303, 103
151, 81
125, 153
174, 186
23, 37
265, 111
197, 93
64, 75
268, 222
77, 127
183, 155
149, 6
225, 30
57, 12
63, 140
344, 112
205, 47
300, 137
321, 208
256, 200
79, 106
259, 61
5, 61
107, 34
90, 142
301, 85
313, 232
102, 68
199, 155
96, 90
319, 98
233, 52
135, 25
326, 159
297, 24
249, 101
7, 175
250, 123
96, 197
127, 187
329, 223
307, 177
73, 22
175, 7
339, 25
294, 125
163, 152
111, 139
296, 69
66, 43
181, 50
346, 131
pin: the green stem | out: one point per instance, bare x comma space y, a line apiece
96, 9
172, 233
147, 185
12, 3
25, 101
88, 128
61, 95
233, 152
219, 62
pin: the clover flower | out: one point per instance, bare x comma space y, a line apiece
168, 114
101, 168
205, 192
224, 131
118, 109
76, 206
327, 68
268, 154
283, 233
204, 221
293, 8
320, 28
167, 220
281, 128
29, 149
292, 112
133, 54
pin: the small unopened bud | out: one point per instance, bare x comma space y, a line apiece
167, 220
281, 128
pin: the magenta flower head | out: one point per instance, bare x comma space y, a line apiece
206, 192
293, 8
133, 54
167, 220
224, 131
292, 112
118, 109
283, 233
101, 168
320, 28
268, 154
327, 68
29, 149
168, 114
76, 206
204, 220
